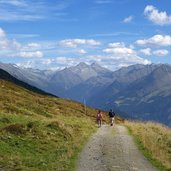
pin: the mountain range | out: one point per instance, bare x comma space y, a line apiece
138, 91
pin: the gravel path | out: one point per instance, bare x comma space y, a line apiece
112, 149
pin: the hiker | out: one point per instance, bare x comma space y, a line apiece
99, 118
112, 116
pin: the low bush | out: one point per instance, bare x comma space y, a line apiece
16, 129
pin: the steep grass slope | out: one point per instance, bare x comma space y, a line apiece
155, 142
40, 132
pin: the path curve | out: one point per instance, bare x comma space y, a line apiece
112, 149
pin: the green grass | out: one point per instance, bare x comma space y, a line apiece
42, 145
40, 132
154, 142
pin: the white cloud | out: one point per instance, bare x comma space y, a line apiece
119, 49
128, 19
73, 43
115, 62
36, 54
81, 51
108, 61
120, 55
146, 51
2, 33
161, 52
15, 45
158, 40
3, 44
115, 55
160, 18
33, 46
3, 39
7, 44
116, 44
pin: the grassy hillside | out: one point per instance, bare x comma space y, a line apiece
155, 142
40, 132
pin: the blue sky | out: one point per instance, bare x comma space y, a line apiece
56, 34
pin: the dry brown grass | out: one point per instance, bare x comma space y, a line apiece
156, 138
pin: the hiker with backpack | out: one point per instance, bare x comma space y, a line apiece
99, 118
111, 116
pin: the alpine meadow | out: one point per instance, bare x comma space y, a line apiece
85, 85
39, 131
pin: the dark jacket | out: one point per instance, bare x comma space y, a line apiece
111, 114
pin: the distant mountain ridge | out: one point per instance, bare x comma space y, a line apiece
7, 77
137, 91
64, 80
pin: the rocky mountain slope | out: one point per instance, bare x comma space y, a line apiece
138, 91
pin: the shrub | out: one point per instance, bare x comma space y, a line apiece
16, 129
5, 120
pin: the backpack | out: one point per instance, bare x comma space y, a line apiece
111, 114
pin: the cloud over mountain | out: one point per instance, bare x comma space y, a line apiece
36, 54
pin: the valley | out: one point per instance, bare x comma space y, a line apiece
141, 92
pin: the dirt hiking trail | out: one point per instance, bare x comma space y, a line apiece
112, 149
